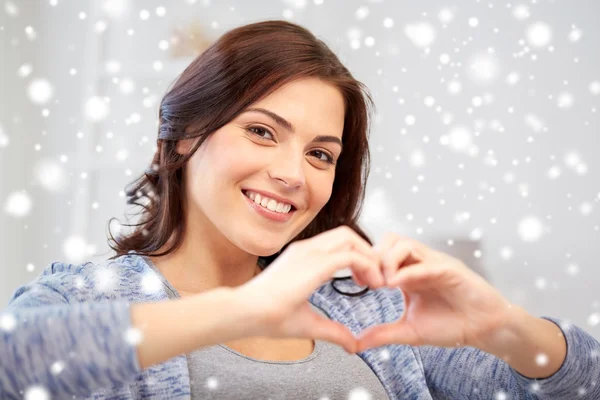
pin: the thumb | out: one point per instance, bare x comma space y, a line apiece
391, 333
334, 332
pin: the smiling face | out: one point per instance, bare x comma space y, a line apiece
283, 146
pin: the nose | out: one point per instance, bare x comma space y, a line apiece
289, 170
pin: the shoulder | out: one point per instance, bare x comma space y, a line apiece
126, 277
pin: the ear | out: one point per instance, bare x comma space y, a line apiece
185, 145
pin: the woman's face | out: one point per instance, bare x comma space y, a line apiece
255, 151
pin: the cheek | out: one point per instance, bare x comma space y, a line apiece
228, 160
321, 192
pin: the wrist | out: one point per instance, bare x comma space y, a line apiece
534, 347
246, 317
507, 335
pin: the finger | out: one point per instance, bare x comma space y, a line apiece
404, 251
325, 329
356, 278
362, 267
417, 277
343, 237
390, 333
386, 242
394, 258
392, 239
372, 277
360, 281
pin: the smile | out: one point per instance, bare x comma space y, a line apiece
271, 214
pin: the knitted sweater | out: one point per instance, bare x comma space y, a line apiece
66, 331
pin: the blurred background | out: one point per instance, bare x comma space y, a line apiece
483, 144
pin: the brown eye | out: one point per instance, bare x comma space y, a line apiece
256, 131
250, 129
329, 159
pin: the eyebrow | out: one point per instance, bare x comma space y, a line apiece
289, 127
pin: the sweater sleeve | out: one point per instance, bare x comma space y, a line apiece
65, 349
470, 373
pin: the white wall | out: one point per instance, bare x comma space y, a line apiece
400, 77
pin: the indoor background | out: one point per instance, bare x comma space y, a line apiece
483, 143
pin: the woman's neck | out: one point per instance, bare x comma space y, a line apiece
195, 269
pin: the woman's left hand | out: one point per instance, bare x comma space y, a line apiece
446, 303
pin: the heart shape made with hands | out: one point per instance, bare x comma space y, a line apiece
446, 303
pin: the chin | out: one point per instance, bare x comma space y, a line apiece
269, 252
261, 249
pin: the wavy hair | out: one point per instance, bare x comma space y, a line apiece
243, 66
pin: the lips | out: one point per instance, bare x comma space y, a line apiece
271, 196
265, 212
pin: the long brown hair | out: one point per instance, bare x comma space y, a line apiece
241, 67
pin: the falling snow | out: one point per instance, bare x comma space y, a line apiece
487, 134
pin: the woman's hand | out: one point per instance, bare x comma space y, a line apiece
280, 293
446, 303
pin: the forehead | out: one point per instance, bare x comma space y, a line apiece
309, 104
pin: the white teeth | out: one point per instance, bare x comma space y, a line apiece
268, 203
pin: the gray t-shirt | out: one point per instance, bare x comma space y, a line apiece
329, 373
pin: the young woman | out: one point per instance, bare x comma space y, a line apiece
224, 288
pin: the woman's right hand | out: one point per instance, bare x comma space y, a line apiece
280, 293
